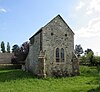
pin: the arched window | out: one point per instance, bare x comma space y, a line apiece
57, 55
62, 55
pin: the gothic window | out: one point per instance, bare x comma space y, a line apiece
62, 55
57, 55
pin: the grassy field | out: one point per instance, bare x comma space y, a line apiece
19, 81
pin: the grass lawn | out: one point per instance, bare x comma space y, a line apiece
20, 81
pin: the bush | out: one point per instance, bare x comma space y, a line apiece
20, 53
95, 60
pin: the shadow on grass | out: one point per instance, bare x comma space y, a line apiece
9, 75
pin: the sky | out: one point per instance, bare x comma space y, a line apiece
20, 19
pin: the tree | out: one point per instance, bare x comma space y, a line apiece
97, 60
20, 53
8, 47
15, 47
88, 50
78, 50
3, 47
83, 59
25, 47
90, 56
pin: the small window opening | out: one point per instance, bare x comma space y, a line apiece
51, 33
62, 54
57, 55
65, 34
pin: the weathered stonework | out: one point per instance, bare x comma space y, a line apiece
75, 65
56, 34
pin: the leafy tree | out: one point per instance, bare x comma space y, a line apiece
15, 47
83, 59
8, 47
90, 56
88, 50
78, 50
25, 47
97, 60
20, 53
3, 47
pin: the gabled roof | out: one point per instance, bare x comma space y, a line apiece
48, 23
64, 22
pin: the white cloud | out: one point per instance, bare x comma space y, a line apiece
2, 10
89, 36
88, 24
92, 26
81, 4
93, 6
89, 6
91, 30
88, 12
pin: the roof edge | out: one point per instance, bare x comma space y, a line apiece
36, 33
48, 23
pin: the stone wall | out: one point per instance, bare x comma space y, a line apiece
5, 58
57, 34
32, 58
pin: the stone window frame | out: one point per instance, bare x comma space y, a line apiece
57, 55
61, 59
62, 54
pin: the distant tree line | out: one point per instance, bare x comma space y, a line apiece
3, 50
88, 57
19, 52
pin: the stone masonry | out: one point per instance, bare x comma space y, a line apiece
56, 41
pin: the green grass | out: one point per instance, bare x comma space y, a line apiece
20, 81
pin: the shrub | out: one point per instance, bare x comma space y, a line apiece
20, 53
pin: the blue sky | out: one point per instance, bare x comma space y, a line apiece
20, 19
